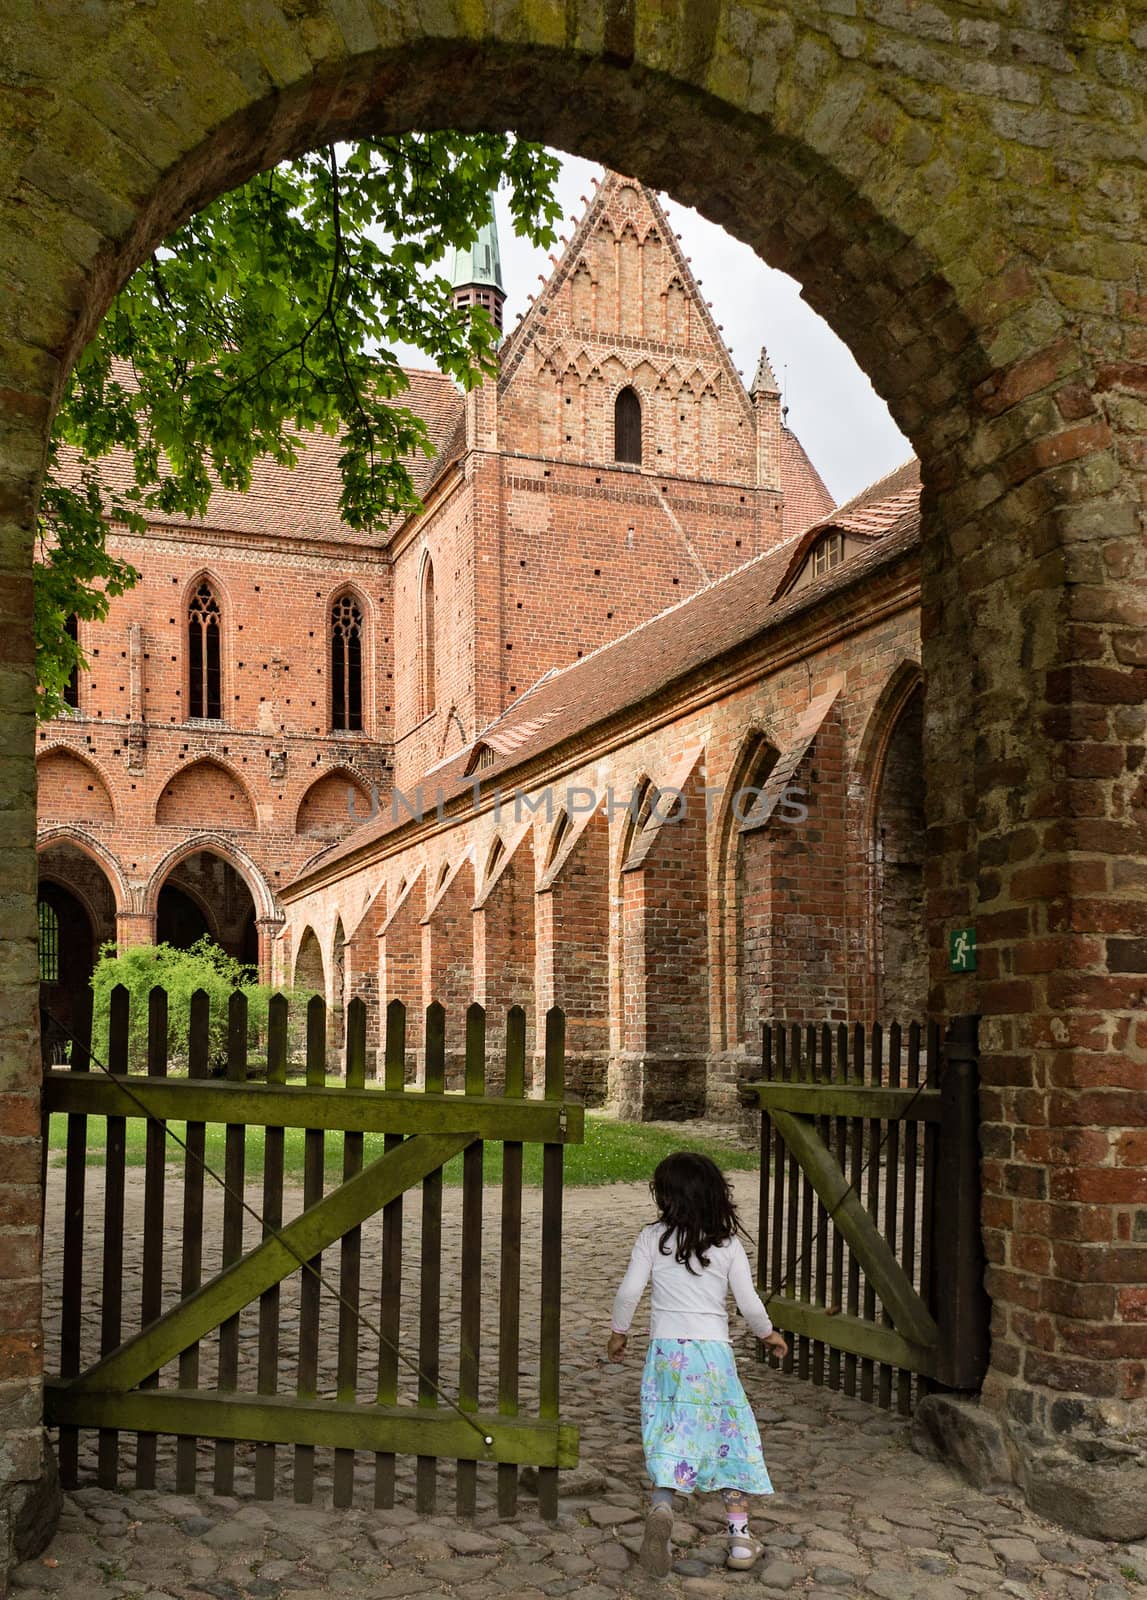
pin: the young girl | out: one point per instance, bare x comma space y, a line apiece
697, 1427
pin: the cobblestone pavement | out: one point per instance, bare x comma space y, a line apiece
856, 1512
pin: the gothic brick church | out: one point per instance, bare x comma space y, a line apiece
627, 718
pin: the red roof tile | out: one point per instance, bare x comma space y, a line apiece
806, 497
303, 501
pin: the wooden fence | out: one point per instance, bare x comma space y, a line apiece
139, 1365
869, 1206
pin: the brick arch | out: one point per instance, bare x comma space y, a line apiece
218, 845
71, 785
205, 788
922, 239
322, 812
104, 858
896, 946
308, 971
756, 754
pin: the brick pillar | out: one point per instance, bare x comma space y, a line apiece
1034, 622
135, 927
29, 1495
268, 930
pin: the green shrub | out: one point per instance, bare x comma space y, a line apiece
180, 973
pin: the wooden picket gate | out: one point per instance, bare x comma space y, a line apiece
148, 1380
869, 1206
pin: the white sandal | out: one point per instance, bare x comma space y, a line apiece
744, 1551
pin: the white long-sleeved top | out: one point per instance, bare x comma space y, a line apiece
689, 1305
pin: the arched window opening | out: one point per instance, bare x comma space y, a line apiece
204, 674
427, 642
627, 427
72, 687
560, 835
49, 942
496, 854
346, 665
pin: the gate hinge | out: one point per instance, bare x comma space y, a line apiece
563, 1123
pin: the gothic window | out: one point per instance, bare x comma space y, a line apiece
627, 427
426, 654
346, 665
829, 553
204, 673
72, 687
49, 943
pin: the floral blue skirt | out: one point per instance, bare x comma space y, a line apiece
697, 1427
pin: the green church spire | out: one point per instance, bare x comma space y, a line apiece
476, 273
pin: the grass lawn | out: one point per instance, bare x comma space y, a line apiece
613, 1152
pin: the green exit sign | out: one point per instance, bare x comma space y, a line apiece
962, 950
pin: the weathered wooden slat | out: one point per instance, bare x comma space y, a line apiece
835, 1296
855, 1168
367, 1110
285, 1419
846, 1100
822, 1068
350, 1255
911, 1191
430, 1287
853, 1335
111, 1289
154, 1190
549, 1352
511, 1244
390, 1308
930, 1270
470, 1310
873, 1138
310, 1290
891, 1192
72, 1275
234, 1174
909, 1313
191, 1266
790, 1066
273, 1172
763, 1174
241, 1283
780, 1167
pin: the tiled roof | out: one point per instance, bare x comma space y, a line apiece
303, 501
806, 497
872, 514
725, 615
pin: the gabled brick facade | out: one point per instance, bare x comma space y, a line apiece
241, 745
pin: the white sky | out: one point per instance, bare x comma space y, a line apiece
833, 409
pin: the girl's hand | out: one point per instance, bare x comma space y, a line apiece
776, 1342
615, 1349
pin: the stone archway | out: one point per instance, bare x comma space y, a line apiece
990, 291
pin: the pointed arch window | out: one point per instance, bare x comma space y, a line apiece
627, 427
72, 687
346, 665
204, 670
427, 643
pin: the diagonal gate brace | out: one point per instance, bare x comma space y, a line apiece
270, 1262
909, 1314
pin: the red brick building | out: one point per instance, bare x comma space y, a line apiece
613, 516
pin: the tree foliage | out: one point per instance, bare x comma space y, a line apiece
180, 973
270, 314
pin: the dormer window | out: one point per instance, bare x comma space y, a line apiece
827, 554
482, 756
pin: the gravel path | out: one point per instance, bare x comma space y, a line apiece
856, 1513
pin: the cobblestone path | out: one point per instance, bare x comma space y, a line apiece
857, 1514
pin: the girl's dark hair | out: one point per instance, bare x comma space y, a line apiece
695, 1203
